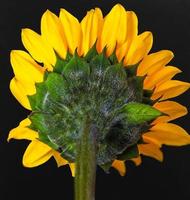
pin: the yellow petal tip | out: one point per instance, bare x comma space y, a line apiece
14, 53
169, 53
8, 139
48, 13
118, 5
23, 30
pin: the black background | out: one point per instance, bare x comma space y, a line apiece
169, 20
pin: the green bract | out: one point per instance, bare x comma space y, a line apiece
101, 89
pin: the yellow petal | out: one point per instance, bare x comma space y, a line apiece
22, 132
173, 110
154, 62
99, 15
160, 76
25, 122
20, 93
90, 25
151, 150
170, 89
40, 50
27, 73
122, 51
122, 28
71, 28
137, 160
131, 33
139, 48
36, 154
120, 166
52, 31
25, 68
60, 161
72, 168
132, 26
169, 134
114, 29
150, 140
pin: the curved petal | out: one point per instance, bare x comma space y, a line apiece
170, 89
72, 168
137, 160
151, 150
25, 122
20, 93
40, 50
139, 48
131, 34
114, 21
120, 166
150, 140
36, 154
52, 31
173, 110
122, 27
22, 132
132, 26
122, 51
161, 76
91, 26
169, 134
154, 62
25, 68
71, 28
59, 160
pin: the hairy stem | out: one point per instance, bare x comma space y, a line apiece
86, 164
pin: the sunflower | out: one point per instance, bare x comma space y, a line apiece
100, 67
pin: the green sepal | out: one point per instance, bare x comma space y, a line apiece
32, 101
99, 62
38, 122
138, 113
38, 100
60, 63
91, 53
116, 71
68, 154
136, 84
46, 74
56, 86
43, 138
76, 68
129, 153
39, 125
131, 70
106, 167
113, 58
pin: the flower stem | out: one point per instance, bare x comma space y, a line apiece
86, 164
